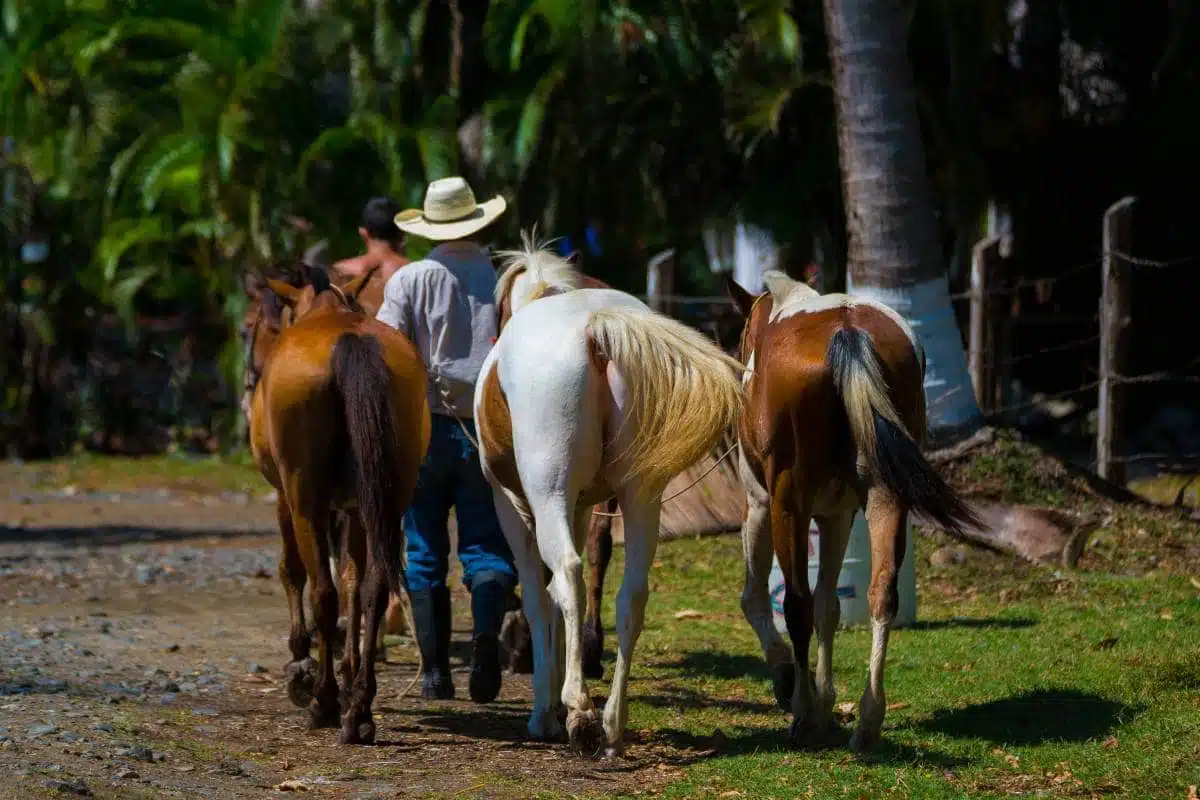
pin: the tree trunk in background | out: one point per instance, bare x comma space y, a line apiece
894, 256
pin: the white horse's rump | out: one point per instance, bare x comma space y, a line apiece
586, 394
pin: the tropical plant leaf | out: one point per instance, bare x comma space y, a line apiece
125, 290
529, 129
437, 139
124, 235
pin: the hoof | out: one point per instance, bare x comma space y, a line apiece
803, 735
863, 740
545, 726
300, 676
593, 648
358, 731
323, 717
520, 661
783, 680
585, 733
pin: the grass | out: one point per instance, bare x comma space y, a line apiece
1072, 686
187, 474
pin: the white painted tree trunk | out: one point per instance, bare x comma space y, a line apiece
894, 254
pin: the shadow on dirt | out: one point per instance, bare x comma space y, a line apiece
116, 535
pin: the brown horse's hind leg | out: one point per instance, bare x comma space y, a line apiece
301, 671
353, 562
887, 521
789, 534
358, 726
313, 541
599, 554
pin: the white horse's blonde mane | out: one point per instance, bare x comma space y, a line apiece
545, 269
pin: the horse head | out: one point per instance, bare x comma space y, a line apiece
262, 324
533, 272
277, 303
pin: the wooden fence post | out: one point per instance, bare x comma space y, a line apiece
984, 256
1114, 317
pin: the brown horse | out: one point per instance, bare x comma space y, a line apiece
339, 421
261, 326
599, 542
834, 420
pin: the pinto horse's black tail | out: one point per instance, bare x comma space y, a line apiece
893, 454
364, 383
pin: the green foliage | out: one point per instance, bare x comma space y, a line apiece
168, 145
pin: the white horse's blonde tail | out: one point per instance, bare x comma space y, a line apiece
683, 391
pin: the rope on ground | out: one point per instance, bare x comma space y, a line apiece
411, 622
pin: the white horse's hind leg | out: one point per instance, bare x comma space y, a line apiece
756, 599
554, 523
835, 534
641, 540
543, 722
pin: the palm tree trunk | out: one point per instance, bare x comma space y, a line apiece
894, 255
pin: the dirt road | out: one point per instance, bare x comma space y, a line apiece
141, 643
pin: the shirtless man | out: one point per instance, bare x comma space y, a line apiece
383, 241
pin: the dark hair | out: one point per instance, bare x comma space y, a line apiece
379, 219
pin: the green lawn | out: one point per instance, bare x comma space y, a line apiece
189, 474
1016, 681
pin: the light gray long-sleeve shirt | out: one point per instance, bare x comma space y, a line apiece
444, 304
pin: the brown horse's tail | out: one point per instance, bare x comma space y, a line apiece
894, 457
364, 383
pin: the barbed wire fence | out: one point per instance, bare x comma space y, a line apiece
1092, 345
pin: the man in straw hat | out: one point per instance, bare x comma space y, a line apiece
444, 304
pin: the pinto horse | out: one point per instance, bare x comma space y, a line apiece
588, 393
599, 533
833, 422
261, 326
339, 421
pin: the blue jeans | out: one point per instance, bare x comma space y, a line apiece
449, 477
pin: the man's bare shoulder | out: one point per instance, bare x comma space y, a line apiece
393, 265
353, 267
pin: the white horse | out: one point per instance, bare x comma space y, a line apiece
588, 393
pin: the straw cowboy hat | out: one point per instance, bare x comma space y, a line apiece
450, 212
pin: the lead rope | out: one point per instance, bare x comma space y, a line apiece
475, 443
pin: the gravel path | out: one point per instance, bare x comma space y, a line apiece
141, 646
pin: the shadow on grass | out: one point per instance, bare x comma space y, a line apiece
1030, 718
715, 664
748, 741
680, 697
971, 622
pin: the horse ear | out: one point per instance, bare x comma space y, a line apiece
741, 298
318, 278
287, 294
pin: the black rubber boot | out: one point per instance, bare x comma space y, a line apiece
489, 602
431, 613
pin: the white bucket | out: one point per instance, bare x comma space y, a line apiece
854, 579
